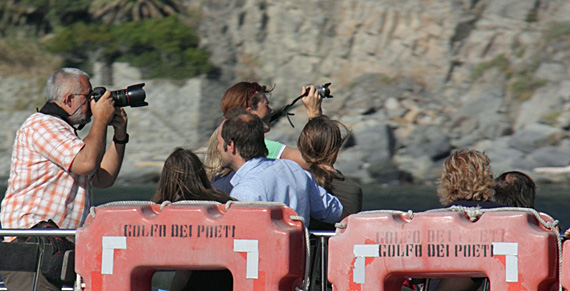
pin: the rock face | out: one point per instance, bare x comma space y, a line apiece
414, 80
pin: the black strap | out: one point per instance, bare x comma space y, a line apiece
53, 109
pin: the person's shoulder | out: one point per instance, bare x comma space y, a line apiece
37, 120
40, 120
346, 184
274, 149
289, 164
271, 167
249, 186
272, 142
477, 203
260, 162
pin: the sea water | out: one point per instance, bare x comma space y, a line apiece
552, 199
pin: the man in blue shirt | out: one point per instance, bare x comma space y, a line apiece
241, 145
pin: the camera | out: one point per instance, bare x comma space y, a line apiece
132, 96
324, 91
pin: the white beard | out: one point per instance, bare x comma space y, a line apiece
79, 118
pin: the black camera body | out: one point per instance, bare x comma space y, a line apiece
132, 96
324, 91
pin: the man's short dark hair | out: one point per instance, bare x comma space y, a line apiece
246, 131
515, 189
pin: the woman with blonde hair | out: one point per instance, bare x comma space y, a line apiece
467, 180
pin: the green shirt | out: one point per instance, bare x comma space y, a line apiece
274, 149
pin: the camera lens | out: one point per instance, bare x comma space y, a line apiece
132, 96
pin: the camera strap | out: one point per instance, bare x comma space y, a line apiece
53, 109
285, 111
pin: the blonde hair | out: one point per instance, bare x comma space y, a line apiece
213, 159
466, 175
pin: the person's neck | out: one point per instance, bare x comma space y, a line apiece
55, 109
238, 163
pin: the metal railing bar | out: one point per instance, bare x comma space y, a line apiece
37, 232
3, 288
320, 233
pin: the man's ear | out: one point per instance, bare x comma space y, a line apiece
232, 148
67, 100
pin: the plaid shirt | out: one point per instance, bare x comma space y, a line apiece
40, 186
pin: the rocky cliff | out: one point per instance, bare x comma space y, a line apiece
414, 80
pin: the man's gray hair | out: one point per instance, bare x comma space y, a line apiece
64, 81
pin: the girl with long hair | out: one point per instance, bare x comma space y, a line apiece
184, 178
319, 144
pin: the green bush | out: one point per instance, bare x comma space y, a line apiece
160, 47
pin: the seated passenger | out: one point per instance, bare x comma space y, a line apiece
184, 178
319, 143
466, 180
242, 148
219, 175
252, 97
515, 189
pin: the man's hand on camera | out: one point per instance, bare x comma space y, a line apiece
312, 102
119, 123
104, 108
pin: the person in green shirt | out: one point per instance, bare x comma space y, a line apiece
252, 96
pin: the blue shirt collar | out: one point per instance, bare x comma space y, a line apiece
245, 168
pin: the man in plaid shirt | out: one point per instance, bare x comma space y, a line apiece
53, 170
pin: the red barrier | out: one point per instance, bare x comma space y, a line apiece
565, 276
122, 247
377, 251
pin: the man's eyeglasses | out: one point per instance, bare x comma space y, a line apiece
86, 97
80, 94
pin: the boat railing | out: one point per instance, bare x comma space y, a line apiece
37, 252
318, 272
318, 275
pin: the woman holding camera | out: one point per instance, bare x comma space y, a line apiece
252, 96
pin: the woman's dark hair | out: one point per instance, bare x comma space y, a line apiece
319, 144
243, 94
515, 189
184, 178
